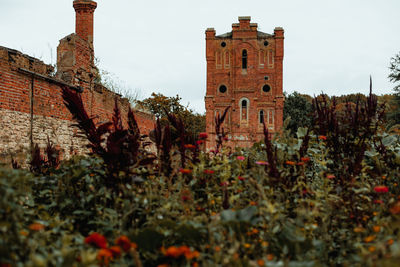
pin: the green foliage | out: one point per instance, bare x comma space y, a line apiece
160, 105
298, 109
394, 77
223, 209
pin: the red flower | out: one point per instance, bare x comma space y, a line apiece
261, 162
97, 240
241, 178
381, 189
185, 171
185, 198
240, 158
199, 142
124, 242
305, 159
300, 163
224, 184
203, 135
226, 138
378, 201
208, 171
330, 176
322, 137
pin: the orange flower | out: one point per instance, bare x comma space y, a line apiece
396, 208
217, 248
173, 252
330, 176
288, 162
270, 257
305, 159
195, 264
261, 162
260, 262
376, 228
104, 255
253, 203
369, 238
190, 146
97, 240
322, 137
358, 230
185, 171
36, 226
124, 242
247, 245
163, 265
116, 251
24, 233
372, 249
390, 242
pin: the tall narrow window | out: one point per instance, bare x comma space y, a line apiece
244, 59
244, 109
261, 116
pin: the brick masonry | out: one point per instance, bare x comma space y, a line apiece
244, 72
31, 105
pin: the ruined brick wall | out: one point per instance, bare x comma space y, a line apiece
244, 72
41, 113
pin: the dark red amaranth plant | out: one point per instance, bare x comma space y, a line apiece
220, 133
347, 132
121, 150
271, 154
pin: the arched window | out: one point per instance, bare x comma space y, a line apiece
244, 109
261, 116
244, 59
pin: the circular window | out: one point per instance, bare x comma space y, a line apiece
222, 89
223, 44
266, 88
266, 43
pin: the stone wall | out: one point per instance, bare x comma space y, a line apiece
31, 104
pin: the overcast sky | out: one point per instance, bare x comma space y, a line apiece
159, 46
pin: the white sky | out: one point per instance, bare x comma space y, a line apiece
159, 46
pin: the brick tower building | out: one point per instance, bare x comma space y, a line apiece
244, 72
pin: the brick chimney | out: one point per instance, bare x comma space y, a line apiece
84, 10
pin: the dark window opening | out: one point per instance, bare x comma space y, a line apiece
266, 78
222, 89
244, 104
223, 44
266, 43
261, 116
266, 88
244, 59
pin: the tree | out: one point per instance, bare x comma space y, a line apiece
394, 76
159, 105
299, 109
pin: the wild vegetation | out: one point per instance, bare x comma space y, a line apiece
326, 195
322, 194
